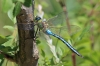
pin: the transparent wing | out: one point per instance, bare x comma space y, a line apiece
58, 20
65, 29
59, 25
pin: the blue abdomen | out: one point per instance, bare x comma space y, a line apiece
48, 32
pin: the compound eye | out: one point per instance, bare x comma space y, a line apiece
37, 18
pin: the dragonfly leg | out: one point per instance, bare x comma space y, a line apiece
36, 32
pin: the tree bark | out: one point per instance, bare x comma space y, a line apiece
28, 53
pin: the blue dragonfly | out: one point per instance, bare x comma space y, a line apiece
43, 25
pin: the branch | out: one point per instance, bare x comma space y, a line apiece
28, 53
8, 57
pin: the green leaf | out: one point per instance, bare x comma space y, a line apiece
42, 53
72, 7
38, 41
6, 5
85, 30
14, 1
17, 9
9, 28
56, 6
27, 3
3, 39
92, 60
59, 51
8, 43
81, 48
52, 7
52, 61
10, 14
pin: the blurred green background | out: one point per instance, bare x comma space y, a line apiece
82, 13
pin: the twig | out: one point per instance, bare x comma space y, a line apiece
8, 57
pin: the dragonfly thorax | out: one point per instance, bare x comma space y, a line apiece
45, 26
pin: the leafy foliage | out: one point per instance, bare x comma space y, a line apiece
82, 13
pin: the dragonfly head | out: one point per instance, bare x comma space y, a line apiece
37, 18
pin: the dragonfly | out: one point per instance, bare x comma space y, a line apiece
43, 25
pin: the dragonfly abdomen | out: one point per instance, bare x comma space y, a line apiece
48, 32
65, 42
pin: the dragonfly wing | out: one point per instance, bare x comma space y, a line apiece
60, 30
57, 20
